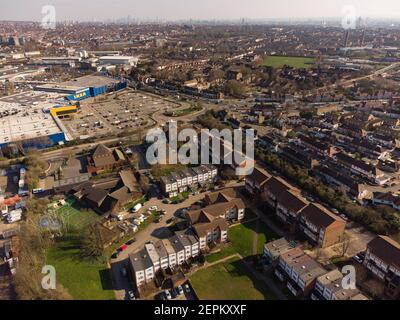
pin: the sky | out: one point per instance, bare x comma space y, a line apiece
99, 10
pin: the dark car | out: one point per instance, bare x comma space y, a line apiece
114, 255
128, 243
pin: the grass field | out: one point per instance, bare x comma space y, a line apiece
229, 280
280, 61
73, 216
83, 279
242, 238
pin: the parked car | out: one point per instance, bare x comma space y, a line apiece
137, 208
358, 259
128, 243
123, 248
167, 295
153, 208
115, 255
180, 290
187, 288
163, 211
131, 295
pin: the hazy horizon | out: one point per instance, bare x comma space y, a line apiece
173, 10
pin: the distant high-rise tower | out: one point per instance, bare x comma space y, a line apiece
362, 41
346, 38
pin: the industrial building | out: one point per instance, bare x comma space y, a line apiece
84, 87
23, 120
119, 60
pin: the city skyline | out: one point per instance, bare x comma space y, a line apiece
173, 10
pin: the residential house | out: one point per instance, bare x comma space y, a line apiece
299, 270
256, 180
209, 225
109, 195
274, 249
104, 158
329, 287
321, 226
190, 178
141, 267
383, 260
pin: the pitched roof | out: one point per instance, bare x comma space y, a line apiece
320, 216
386, 249
202, 229
292, 201
221, 196
259, 176
277, 185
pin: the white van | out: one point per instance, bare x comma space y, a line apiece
137, 208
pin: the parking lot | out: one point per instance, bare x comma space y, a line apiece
128, 111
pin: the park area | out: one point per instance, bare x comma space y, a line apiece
246, 239
230, 280
84, 280
227, 275
295, 62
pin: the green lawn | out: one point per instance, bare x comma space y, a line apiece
229, 280
296, 62
83, 280
241, 238
73, 215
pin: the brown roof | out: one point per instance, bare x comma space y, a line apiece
221, 196
214, 210
292, 201
259, 176
320, 216
386, 249
202, 229
277, 185
129, 181
103, 156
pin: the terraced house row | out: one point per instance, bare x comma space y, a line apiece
319, 225
164, 254
206, 228
181, 181
304, 276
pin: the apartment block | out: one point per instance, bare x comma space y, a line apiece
330, 287
383, 260
321, 226
163, 254
299, 271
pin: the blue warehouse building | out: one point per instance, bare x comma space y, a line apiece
85, 87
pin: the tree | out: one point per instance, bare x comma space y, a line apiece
344, 246
235, 88
144, 183
33, 246
92, 244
